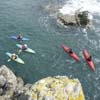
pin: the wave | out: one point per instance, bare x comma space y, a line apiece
92, 6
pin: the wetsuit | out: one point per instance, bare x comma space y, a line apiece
24, 47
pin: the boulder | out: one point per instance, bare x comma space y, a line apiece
79, 18
12, 87
57, 88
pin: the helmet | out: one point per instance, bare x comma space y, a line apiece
14, 54
25, 45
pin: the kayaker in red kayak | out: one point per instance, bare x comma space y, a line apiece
89, 58
70, 51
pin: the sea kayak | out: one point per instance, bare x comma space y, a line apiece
27, 50
23, 39
90, 63
19, 60
73, 55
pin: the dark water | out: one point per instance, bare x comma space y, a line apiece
46, 37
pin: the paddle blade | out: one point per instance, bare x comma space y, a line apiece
19, 51
8, 60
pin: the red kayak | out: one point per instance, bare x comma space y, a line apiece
73, 55
90, 63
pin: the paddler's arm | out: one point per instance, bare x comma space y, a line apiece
19, 51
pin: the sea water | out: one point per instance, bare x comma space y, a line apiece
29, 18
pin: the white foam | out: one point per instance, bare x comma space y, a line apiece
92, 6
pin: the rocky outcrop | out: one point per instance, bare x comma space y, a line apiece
57, 88
12, 87
80, 18
51, 88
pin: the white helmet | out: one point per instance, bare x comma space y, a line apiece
14, 54
25, 45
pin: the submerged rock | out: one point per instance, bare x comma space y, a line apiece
57, 88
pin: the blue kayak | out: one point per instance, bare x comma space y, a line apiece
23, 39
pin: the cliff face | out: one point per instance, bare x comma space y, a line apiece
12, 87
51, 88
57, 88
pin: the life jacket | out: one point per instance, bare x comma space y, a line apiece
13, 57
24, 47
19, 37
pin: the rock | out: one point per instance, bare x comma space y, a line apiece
57, 88
2, 81
20, 82
80, 18
2, 98
48, 98
1, 91
11, 87
27, 87
9, 75
50, 88
22, 96
8, 80
67, 19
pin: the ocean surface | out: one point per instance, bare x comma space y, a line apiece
29, 18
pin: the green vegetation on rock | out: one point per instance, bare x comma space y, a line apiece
57, 88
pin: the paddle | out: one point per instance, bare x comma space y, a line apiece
19, 51
8, 60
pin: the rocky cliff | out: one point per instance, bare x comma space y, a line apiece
57, 88
50, 88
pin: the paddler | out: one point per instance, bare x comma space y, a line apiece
70, 51
24, 47
13, 56
89, 58
19, 37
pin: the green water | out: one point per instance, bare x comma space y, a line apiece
46, 37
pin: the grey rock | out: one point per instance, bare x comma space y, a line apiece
12, 87
2, 81
1, 91
20, 82
48, 98
80, 18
